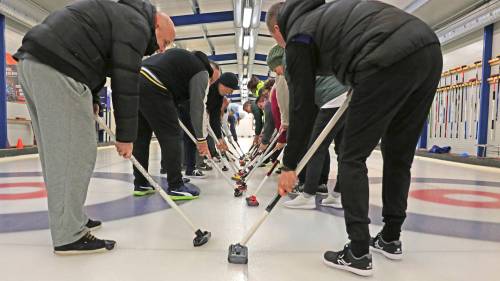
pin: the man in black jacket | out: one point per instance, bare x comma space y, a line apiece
393, 61
227, 83
167, 80
63, 62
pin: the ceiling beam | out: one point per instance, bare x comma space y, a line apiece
232, 34
473, 21
234, 63
415, 5
209, 36
203, 18
195, 6
232, 56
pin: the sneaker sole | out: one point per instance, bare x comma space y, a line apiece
366, 272
183, 198
331, 205
303, 207
74, 253
390, 256
195, 177
143, 193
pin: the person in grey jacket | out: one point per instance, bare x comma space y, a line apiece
63, 64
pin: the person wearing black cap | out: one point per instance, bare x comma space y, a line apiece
227, 83
167, 80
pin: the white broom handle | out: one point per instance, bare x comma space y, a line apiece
214, 137
228, 180
301, 164
280, 157
148, 177
269, 154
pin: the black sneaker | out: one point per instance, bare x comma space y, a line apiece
185, 180
93, 225
163, 171
88, 244
205, 167
345, 260
392, 250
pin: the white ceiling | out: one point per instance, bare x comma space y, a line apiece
432, 11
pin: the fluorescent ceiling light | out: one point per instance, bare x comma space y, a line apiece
245, 59
246, 43
247, 17
256, 13
240, 37
237, 12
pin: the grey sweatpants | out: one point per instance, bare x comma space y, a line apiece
62, 117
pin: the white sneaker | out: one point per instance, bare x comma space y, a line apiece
333, 200
301, 202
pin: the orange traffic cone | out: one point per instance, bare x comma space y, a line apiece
20, 144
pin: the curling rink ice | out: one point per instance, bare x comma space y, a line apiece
452, 232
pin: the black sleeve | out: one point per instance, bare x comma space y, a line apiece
301, 78
126, 57
215, 124
268, 128
257, 114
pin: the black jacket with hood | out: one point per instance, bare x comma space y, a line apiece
354, 38
94, 39
350, 39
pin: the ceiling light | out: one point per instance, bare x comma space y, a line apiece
247, 17
237, 12
246, 43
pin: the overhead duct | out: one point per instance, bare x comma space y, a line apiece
24, 13
475, 20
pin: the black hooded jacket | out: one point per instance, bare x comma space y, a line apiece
94, 39
214, 105
350, 39
354, 38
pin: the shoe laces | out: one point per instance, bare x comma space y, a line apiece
90, 237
